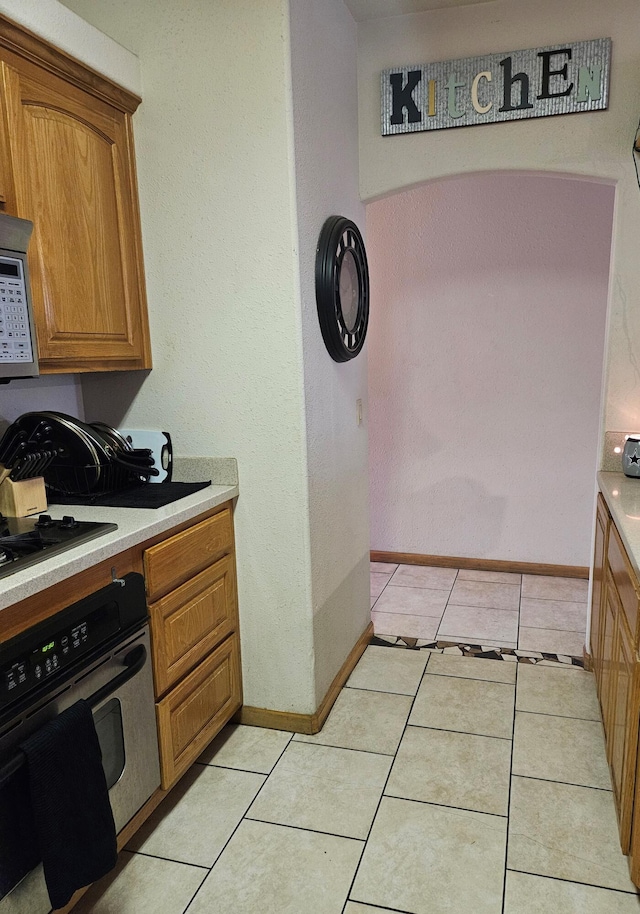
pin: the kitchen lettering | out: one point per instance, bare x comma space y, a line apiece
533, 83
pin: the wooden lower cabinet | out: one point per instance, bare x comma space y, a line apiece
190, 621
622, 729
606, 664
614, 647
191, 585
195, 639
598, 588
197, 709
170, 563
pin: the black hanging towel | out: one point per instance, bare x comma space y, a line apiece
70, 801
17, 832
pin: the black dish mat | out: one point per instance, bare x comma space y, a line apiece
152, 495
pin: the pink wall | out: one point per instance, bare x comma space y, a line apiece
486, 340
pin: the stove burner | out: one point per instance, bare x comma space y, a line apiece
69, 523
44, 521
27, 540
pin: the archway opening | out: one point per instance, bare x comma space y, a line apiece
486, 346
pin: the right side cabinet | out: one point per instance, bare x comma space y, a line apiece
191, 589
614, 647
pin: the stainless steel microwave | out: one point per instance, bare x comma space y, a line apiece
18, 346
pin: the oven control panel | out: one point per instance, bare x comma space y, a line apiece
60, 649
48, 653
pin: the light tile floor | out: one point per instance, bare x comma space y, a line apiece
521, 611
439, 784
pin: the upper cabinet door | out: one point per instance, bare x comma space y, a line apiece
68, 165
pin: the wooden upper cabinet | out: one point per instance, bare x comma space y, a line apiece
68, 165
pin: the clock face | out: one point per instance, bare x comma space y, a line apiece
349, 290
342, 288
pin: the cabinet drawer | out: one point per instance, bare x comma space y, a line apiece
625, 581
189, 622
172, 562
624, 716
197, 709
598, 589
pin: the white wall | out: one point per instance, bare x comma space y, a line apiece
596, 144
68, 31
489, 296
213, 145
238, 363
57, 392
323, 64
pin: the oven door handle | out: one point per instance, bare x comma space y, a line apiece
133, 663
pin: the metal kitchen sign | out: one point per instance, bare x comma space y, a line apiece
538, 82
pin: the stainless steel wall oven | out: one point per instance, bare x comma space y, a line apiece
97, 650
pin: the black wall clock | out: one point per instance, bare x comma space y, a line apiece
342, 288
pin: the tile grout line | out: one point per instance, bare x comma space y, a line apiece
593, 720
198, 866
558, 600
591, 885
395, 755
265, 774
466, 732
519, 625
304, 742
242, 819
332, 746
446, 606
394, 612
530, 777
447, 588
375, 692
313, 831
192, 899
376, 907
472, 678
545, 628
480, 812
500, 609
506, 845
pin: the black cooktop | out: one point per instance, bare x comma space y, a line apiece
27, 540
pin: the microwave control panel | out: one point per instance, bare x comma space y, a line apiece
15, 334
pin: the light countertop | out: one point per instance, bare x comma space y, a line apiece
622, 495
135, 525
